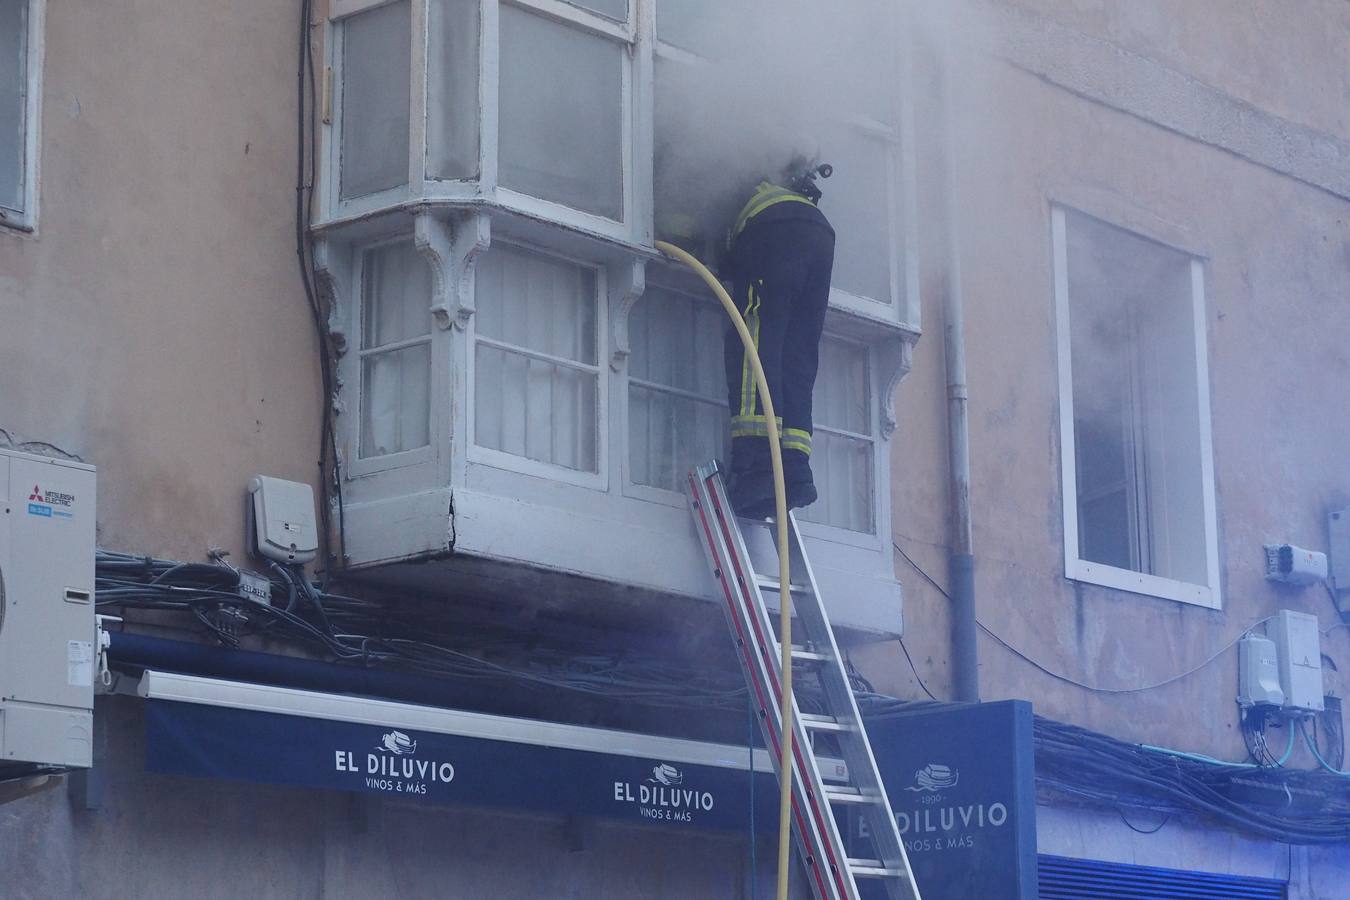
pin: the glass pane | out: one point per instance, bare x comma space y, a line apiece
669, 435
452, 85
857, 201
1104, 530
561, 110
613, 9
395, 295
1139, 460
13, 89
842, 398
695, 26
536, 409
842, 469
537, 302
677, 341
395, 401
375, 93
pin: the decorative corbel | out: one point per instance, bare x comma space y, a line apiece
434, 239
896, 355
452, 252
633, 283
333, 270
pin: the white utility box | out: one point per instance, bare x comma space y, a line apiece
283, 526
48, 650
1259, 672
1298, 645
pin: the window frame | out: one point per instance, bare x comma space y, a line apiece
356, 464
871, 438
26, 219
634, 119
477, 454
818, 530
631, 488
902, 306
1076, 568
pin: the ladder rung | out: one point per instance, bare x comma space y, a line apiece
845, 794
822, 723
873, 868
771, 584
801, 654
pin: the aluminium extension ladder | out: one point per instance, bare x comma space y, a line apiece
832, 873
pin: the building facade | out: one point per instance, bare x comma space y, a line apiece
462, 336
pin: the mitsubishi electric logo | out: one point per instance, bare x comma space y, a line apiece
934, 778
50, 504
392, 766
662, 797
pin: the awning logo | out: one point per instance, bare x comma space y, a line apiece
660, 796
398, 743
934, 777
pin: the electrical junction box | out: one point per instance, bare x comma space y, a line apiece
1338, 528
282, 520
48, 644
1294, 565
1298, 645
1258, 672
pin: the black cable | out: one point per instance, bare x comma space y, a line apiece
1059, 676
306, 104
1167, 817
913, 669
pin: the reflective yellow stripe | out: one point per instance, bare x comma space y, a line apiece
752, 426
749, 390
797, 439
765, 195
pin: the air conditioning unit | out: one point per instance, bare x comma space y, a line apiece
48, 648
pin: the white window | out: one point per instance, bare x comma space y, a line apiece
526, 104
712, 80
20, 67
843, 455
376, 47
1137, 470
677, 389
537, 378
395, 350
677, 408
561, 113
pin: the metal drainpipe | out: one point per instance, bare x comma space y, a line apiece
962, 560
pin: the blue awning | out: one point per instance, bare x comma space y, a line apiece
234, 730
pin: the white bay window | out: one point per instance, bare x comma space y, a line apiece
511, 386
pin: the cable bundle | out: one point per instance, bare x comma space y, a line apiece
1298, 807
355, 631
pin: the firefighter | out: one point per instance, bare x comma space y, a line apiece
780, 257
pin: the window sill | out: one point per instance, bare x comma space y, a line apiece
16, 224
1141, 583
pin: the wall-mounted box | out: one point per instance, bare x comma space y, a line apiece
1299, 648
1338, 529
48, 648
1258, 672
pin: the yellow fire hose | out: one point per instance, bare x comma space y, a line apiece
780, 518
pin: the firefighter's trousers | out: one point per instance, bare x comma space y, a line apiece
782, 287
